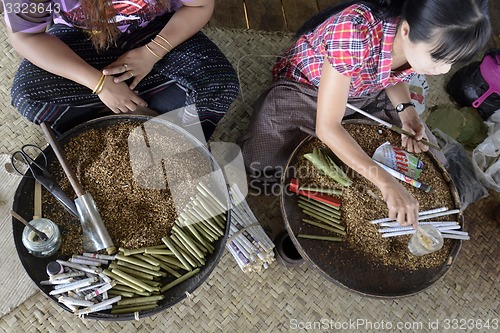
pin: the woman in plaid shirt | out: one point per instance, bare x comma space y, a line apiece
364, 53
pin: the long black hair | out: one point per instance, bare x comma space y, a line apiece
459, 28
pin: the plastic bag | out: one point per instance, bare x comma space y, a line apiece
419, 89
486, 156
459, 166
468, 85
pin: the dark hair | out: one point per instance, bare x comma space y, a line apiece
460, 28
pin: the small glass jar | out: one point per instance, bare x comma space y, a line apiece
420, 244
38, 247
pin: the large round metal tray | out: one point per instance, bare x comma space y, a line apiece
357, 273
35, 267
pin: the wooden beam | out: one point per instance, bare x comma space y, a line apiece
322, 4
265, 15
228, 14
297, 12
494, 14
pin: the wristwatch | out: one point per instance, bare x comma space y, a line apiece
402, 106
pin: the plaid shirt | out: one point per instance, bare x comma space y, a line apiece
355, 43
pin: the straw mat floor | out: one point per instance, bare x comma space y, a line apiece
279, 299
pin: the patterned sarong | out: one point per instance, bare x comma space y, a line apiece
197, 65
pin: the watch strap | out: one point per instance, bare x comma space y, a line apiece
402, 106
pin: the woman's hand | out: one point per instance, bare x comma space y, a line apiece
402, 205
136, 64
119, 97
414, 125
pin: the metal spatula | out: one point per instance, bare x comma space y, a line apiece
95, 235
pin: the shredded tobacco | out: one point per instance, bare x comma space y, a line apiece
359, 207
130, 172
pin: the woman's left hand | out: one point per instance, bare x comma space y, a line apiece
136, 63
414, 125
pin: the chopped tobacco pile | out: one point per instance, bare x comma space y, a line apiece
129, 170
358, 207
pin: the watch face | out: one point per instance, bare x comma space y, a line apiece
400, 107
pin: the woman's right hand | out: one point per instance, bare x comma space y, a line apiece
402, 205
119, 97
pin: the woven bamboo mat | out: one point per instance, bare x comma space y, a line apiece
281, 299
16, 286
14, 130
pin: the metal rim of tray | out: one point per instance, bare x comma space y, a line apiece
35, 267
290, 212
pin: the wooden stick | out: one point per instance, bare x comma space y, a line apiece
37, 210
61, 156
327, 238
391, 126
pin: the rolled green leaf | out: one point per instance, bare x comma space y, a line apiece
126, 282
129, 252
169, 270
122, 293
322, 219
137, 274
134, 309
152, 283
319, 208
159, 251
179, 280
192, 230
172, 261
208, 222
326, 238
211, 195
186, 252
138, 268
137, 262
128, 306
325, 164
139, 300
177, 254
189, 241
132, 279
319, 225
205, 232
307, 210
149, 260
121, 287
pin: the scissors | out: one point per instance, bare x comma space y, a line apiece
23, 162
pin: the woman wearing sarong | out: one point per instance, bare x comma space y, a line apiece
363, 53
84, 55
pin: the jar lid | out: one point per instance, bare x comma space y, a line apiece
54, 268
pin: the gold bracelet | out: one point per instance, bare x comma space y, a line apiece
165, 40
163, 47
99, 89
100, 85
149, 49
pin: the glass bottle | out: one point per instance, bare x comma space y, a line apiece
38, 247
